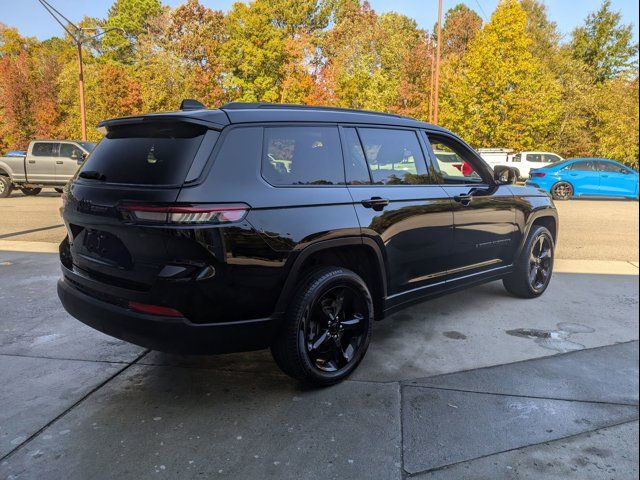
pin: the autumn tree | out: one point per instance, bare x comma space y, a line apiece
500, 94
460, 26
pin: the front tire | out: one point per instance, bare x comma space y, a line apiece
5, 186
30, 192
562, 191
58, 190
534, 267
327, 328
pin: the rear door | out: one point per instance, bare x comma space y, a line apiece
584, 177
484, 214
135, 164
41, 162
70, 157
616, 179
399, 204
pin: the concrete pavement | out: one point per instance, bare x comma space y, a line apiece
84, 405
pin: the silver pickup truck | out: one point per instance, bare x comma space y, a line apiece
47, 163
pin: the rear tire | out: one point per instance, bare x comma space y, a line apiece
534, 266
30, 192
562, 191
327, 328
5, 186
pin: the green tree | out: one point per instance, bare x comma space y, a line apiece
605, 44
499, 94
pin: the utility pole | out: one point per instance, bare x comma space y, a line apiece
432, 77
77, 35
437, 73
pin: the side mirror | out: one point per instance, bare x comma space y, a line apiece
505, 175
81, 159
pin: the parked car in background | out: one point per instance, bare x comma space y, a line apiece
521, 163
583, 177
46, 163
290, 227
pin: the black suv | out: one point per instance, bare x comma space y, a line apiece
290, 227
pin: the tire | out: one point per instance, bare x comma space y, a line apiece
59, 190
5, 186
30, 192
523, 282
312, 348
562, 191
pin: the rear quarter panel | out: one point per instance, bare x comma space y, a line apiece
13, 167
532, 203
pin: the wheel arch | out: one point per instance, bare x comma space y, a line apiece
544, 216
359, 254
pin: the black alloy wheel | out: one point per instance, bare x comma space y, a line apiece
562, 191
534, 266
334, 330
327, 328
540, 262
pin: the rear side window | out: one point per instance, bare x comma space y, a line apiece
611, 167
146, 154
302, 156
43, 149
583, 166
394, 156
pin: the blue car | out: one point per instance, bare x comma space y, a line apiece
586, 177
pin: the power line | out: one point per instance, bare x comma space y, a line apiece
484, 15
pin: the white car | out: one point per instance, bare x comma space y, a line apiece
521, 163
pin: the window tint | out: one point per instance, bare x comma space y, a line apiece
453, 167
611, 167
583, 166
302, 156
394, 157
43, 149
534, 157
354, 161
69, 150
549, 158
148, 154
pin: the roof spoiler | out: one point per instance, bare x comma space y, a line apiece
191, 104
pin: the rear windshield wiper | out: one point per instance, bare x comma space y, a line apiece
92, 175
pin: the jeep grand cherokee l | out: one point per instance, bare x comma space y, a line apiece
287, 227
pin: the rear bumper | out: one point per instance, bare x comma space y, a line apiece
167, 334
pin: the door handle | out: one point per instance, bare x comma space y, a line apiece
604, 176
377, 203
32, 161
463, 199
59, 162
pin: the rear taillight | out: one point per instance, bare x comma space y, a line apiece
538, 174
186, 214
154, 309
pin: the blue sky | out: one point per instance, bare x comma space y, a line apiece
31, 19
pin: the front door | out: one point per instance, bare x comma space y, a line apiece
484, 213
616, 180
69, 159
41, 161
399, 206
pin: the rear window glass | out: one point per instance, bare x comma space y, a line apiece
146, 154
302, 156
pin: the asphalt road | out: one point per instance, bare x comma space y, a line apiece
589, 229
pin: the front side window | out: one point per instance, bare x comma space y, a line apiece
394, 157
550, 158
302, 156
69, 150
44, 149
452, 163
534, 157
611, 167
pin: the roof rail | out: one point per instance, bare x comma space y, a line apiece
191, 104
283, 106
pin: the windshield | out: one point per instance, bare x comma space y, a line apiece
145, 154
